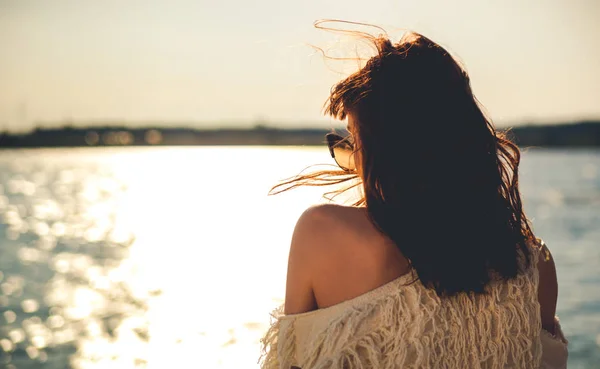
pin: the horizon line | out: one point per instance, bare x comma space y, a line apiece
241, 125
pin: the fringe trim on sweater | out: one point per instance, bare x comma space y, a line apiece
411, 327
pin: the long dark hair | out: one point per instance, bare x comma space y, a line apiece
437, 177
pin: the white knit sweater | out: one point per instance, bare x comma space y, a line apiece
406, 325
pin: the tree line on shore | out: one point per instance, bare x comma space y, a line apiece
580, 134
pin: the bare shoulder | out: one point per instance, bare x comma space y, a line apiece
322, 227
337, 254
313, 217
322, 237
548, 287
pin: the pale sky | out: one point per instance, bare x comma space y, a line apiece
226, 61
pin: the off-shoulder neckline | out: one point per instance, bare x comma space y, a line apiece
386, 287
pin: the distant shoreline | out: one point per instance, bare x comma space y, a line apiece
582, 134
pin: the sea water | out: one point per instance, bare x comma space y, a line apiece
174, 257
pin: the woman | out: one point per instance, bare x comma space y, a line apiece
436, 266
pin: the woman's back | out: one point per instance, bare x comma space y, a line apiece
372, 313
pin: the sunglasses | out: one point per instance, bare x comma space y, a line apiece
341, 150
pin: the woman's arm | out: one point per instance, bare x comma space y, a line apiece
547, 290
299, 295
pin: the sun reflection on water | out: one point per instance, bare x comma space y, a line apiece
173, 257
141, 258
